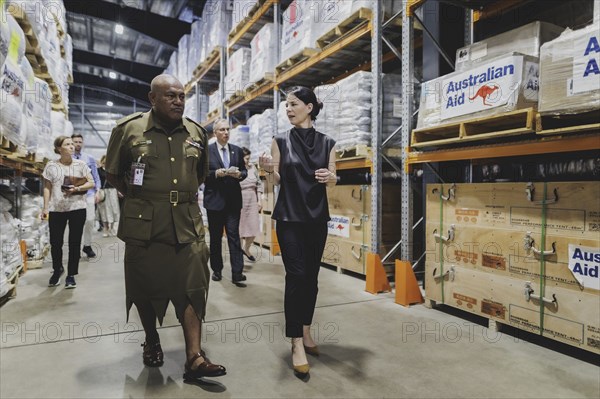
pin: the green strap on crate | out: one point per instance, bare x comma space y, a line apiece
543, 260
442, 241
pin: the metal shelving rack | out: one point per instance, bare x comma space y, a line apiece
365, 44
538, 146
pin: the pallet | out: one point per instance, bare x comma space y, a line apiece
14, 281
511, 123
568, 123
214, 54
268, 78
355, 21
246, 19
295, 60
356, 151
212, 114
236, 97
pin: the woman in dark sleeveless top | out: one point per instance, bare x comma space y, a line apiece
302, 162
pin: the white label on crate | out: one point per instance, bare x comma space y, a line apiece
584, 263
491, 85
478, 51
531, 83
397, 113
586, 63
339, 226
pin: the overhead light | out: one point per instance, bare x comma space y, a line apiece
112, 75
119, 29
109, 103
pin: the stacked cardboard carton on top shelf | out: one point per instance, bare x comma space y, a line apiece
570, 80
494, 77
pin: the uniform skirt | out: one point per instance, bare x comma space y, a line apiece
162, 273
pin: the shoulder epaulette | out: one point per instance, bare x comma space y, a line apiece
129, 118
202, 129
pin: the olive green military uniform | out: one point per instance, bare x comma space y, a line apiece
166, 256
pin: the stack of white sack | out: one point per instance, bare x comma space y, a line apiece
11, 257
217, 18
34, 231
240, 136
238, 72
261, 133
353, 111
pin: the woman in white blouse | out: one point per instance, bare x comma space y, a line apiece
65, 184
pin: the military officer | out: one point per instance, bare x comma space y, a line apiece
157, 160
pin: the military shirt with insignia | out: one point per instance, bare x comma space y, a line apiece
175, 164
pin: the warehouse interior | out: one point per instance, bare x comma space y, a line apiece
467, 161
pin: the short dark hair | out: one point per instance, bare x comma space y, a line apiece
58, 142
77, 135
307, 96
246, 151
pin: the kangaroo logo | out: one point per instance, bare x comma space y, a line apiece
485, 92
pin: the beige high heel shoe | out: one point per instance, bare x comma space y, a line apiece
301, 369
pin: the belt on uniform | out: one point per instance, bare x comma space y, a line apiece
174, 197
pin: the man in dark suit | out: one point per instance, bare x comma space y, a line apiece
223, 201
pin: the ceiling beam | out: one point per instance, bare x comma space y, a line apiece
143, 72
135, 90
136, 47
159, 50
113, 41
133, 18
90, 33
100, 71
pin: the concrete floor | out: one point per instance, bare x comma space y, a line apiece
59, 343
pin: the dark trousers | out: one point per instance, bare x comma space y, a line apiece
302, 246
230, 219
57, 221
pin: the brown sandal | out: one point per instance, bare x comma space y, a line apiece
153, 354
204, 369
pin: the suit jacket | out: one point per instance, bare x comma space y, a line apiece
225, 192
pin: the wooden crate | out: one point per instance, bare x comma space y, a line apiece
345, 254
568, 123
573, 317
576, 212
502, 252
507, 124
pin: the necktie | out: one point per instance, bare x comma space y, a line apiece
225, 157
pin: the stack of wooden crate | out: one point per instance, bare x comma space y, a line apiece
523, 254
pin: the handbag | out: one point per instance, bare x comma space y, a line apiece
76, 182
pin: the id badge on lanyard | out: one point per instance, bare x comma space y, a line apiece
137, 173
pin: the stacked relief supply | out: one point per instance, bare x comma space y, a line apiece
11, 259
263, 53
238, 72
261, 133
347, 107
570, 73
34, 231
494, 76
12, 80
44, 68
523, 254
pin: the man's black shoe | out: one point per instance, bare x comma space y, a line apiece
236, 278
89, 251
217, 276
